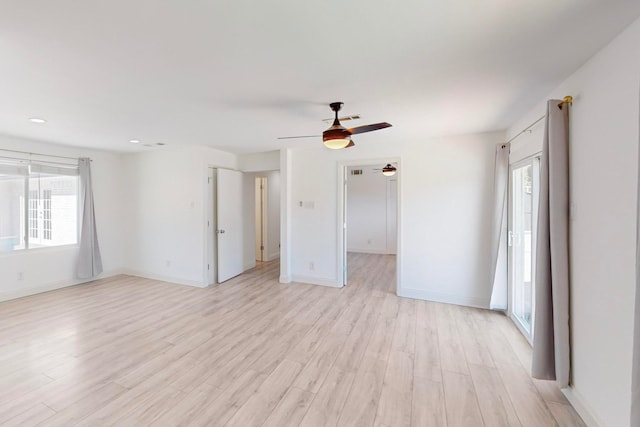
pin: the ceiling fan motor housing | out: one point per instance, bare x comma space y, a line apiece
337, 131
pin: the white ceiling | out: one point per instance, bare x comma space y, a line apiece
236, 74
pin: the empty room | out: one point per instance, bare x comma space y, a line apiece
340, 214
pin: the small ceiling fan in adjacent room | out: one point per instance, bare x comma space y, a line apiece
388, 170
337, 136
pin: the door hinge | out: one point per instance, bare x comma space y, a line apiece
262, 248
208, 267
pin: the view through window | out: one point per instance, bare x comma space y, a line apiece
38, 206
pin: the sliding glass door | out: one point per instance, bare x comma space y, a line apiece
523, 218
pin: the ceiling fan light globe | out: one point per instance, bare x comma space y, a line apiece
389, 170
336, 137
337, 144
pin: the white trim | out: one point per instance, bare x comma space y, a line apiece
444, 297
370, 251
342, 166
21, 293
579, 404
162, 278
520, 328
284, 279
332, 283
273, 256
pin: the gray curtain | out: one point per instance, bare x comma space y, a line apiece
551, 350
89, 261
635, 379
499, 278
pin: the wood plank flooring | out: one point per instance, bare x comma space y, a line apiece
128, 351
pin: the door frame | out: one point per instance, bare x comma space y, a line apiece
341, 231
261, 216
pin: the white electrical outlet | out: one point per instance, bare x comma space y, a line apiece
20, 275
311, 266
167, 263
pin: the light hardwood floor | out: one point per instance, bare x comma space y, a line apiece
252, 352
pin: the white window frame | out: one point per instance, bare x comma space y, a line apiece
28, 169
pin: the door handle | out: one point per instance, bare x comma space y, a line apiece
221, 231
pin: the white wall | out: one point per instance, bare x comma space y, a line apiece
164, 198
368, 204
604, 169
445, 187
255, 162
50, 268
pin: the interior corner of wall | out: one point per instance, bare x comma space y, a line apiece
582, 408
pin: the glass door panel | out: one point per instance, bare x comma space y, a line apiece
524, 201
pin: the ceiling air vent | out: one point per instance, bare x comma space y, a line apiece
356, 171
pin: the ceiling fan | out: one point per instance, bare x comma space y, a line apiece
388, 170
337, 136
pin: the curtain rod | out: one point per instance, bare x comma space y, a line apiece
566, 100
38, 154
48, 162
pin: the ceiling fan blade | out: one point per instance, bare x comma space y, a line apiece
368, 128
350, 144
303, 136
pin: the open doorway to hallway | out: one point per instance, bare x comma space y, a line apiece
265, 208
370, 216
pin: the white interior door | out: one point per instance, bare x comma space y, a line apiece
229, 218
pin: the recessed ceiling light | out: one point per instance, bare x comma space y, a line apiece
37, 120
134, 141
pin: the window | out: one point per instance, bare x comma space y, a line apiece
38, 205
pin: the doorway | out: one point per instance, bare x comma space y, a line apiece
263, 206
523, 218
261, 218
369, 211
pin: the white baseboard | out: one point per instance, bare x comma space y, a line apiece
370, 251
582, 408
273, 256
443, 297
333, 283
162, 278
284, 279
21, 293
